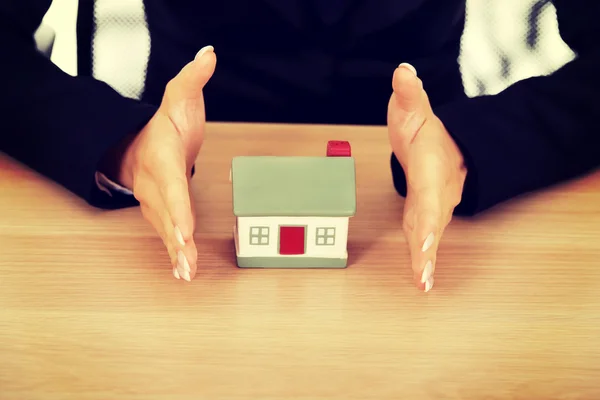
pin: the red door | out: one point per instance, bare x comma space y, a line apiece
291, 240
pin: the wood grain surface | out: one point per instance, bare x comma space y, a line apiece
89, 308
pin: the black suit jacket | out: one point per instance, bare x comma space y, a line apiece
306, 61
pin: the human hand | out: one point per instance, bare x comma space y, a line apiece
434, 168
157, 163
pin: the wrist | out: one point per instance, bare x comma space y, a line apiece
117, 164
460, 162
456, 154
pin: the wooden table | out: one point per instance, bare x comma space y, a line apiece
89, 308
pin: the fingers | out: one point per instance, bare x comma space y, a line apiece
166, 177
174, 199
426, 236
179, 214
162, 187
174, 191
428, 199
158, 224
425, 216
423, 225
183, 254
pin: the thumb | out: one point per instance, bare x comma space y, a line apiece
183, 100
408, 109
190, 81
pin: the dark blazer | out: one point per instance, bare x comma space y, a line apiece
306, 61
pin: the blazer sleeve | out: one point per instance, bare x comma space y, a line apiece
59, 125
539, 131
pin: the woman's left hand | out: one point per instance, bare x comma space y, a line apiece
434, 169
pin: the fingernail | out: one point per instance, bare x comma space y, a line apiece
410, 67
179, 236
427, 272
183, 273
428, 284
183, 262
175, 273
428, 242
203, 50
183, 266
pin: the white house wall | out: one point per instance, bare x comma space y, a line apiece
338, 250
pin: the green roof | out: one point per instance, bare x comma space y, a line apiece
293, 186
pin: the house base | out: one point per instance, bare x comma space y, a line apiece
291, 262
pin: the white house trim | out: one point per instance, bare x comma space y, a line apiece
244, 248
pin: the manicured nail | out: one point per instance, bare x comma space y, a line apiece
175, 273
183, 273
428, 242
427, 272
203, 50
182, 261
428, 284
179, 236
183, 266
410, 67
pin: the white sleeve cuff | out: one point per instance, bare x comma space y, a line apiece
109, 187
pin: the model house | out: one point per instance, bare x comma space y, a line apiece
294, 212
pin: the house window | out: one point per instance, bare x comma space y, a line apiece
325, 236
259, 235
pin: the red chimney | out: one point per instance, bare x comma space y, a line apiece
338, 148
